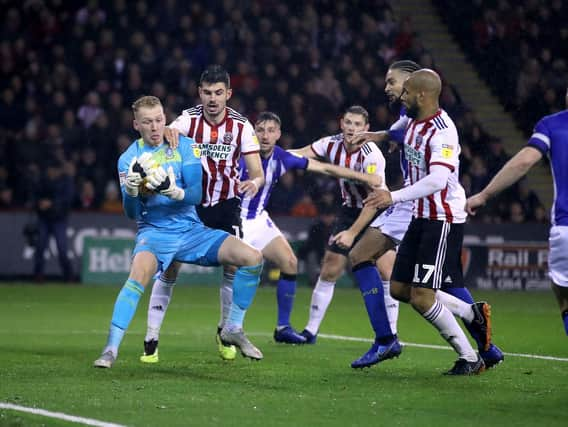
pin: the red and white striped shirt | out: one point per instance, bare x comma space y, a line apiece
220, 148
434, 141
367, 159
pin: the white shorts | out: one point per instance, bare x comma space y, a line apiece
260, 231
558, 255
395, 220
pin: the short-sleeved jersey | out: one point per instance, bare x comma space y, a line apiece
550, 137
367, 159
434, 141
279, 162
157, 210
220, 147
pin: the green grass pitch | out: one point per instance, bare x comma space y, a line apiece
50, 335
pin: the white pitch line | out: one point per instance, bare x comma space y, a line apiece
442, 347
261, 334
58, 415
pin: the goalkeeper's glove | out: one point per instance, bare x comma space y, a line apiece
164, 183
133, 178
146, 163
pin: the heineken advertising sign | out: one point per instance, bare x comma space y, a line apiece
106, 261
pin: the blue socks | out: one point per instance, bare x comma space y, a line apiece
124, 309
285, 294
565, 320
372, 291
245, 284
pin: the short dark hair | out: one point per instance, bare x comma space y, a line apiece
405, 65
268, 115
215, 74
357, 109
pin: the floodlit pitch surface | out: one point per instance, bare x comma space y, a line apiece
50, 335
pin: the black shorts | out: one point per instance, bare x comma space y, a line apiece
345, 219
225, 215
429, 255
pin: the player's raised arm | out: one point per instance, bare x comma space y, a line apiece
511, 172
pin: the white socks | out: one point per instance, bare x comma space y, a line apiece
446, 323
159, 301
225, 297
392, 307
321, 297
458, 307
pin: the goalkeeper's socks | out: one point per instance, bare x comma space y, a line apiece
285, 294
124, 309
159, 301
244, 288
465, 295
372, 290
565, 320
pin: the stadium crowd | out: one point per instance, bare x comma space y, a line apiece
70, 70
519, 47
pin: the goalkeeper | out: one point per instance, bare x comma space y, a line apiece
160, 188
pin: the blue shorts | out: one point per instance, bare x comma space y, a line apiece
200, 245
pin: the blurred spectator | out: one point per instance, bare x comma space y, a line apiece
86, 197
313, 249
112, 202
54, 197
68, 81
304, 207
517, 214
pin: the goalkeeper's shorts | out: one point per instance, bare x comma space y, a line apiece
200, 245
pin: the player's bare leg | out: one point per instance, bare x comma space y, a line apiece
280, 253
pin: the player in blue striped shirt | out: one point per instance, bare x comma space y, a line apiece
549, 138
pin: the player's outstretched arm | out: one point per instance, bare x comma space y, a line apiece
510, 173
360, 138
256, 175
306, 151
371, 180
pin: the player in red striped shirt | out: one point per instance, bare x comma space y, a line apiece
221, 137
428, 258
340, 150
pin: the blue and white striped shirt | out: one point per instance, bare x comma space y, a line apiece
279, 162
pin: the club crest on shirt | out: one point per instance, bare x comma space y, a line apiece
227, 138
418, 139
196, 150
169, 153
